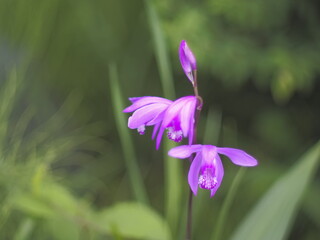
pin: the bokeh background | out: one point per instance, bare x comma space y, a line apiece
70, 168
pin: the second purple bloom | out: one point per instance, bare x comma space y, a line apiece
177, 117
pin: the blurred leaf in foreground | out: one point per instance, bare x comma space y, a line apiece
134, 220
272, 216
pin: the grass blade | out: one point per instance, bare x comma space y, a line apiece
172, 167
126, 141
160, 51
272, 216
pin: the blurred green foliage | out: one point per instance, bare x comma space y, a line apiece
66, 161
274, 43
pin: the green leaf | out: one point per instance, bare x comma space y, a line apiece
33, 206
25, 229
272, 216
59, 198
134, 220
49, 201
62, 228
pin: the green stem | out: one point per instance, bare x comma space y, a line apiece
189, 217
194, 141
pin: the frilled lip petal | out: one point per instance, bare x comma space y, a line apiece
184, 151
210, 157
238, 157
219, 171
138, 102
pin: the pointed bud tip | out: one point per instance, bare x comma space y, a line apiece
187, 60
186, 56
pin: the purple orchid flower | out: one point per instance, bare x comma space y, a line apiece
206, 170
177, 117
187, 59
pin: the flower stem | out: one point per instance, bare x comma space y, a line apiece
194, 141
189, 217
195, 83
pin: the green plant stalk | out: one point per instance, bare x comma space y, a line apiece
162, 58
172, 167
194, 141
227, 204
126, 141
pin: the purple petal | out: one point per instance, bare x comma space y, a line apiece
185, 63
191, 58
139, 102
184, 151
191, 130
193, 175
187, 114
158, 118
174, 110
238, 157
134, 99
209, 153
219, 172
159, 137
155, 130
211, 157
145, 114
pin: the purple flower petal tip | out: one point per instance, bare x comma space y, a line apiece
187, 57
187, 60
184, 151
134, 99
238, 157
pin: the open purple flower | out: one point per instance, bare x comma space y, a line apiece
176, 117
187, 59
206, 170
